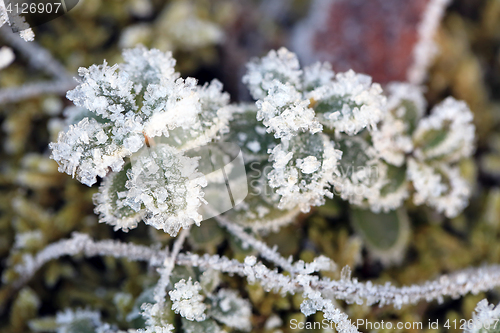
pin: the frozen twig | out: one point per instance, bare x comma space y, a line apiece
168, 266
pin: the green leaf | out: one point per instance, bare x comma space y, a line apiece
396, 177
356, 154
207, 236
385, 234
250, 135
109, 203
411, 115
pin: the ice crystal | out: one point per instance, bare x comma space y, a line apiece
440, 186
187, 300
285, 113
349, 103
302, 179
282, 65
121, 109
167, 185
231, 310
405, 106
448, 133
79, 319
484, 319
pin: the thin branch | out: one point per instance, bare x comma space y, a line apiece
81, 243
16, 94
160, 291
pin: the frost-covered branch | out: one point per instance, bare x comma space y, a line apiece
29, 90
83, 244
168, 265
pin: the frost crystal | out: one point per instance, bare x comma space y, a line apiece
187, 301
302, 179
405, 106
89, 148
317, 74
282, 65
285, 113
349, 103
167, 185
447, 133
484, 319
440, 186
231, 310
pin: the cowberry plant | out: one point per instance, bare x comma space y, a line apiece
311, 134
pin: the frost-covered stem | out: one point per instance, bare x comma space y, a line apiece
264, 250
160, 291
37, 56
272, 280
16, 94
471, 280
425, 49
81, 243
457, 284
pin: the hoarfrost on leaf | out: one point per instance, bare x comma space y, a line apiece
303, 170
448, 133
89, 148
349, 103
440, 186
285, 113
187, 301
231, 310
281, 65
168, 186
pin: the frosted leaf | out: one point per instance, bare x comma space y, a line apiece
399, 93
231, 310
361, 173
110, 202
448, 133
349, 103
285, 113
391, 142
247, 132
211, 120
393, 191
295, 187
405, 107
74, 114
105, 90
157, 317
89, 149
145, 67
167, 185
259, 211
78, 320
484, 319
385, 234
169, 105
439, 186
281, 65
317, 75
187, 301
